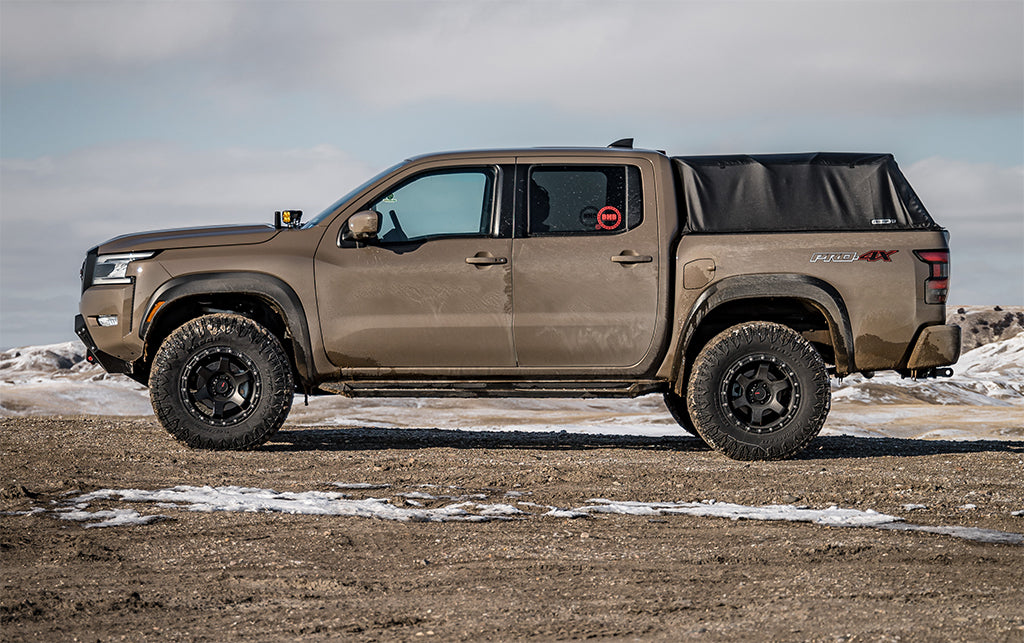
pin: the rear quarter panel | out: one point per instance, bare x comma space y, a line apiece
876, 275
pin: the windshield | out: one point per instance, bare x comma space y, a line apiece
331, 209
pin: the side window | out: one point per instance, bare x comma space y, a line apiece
445, 203
585, 199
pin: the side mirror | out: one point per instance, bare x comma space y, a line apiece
363, 226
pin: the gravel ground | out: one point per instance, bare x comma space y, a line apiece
248, 576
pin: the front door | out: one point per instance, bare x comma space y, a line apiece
584, 266
434, 290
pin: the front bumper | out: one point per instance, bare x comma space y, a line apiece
935, 346
94, 355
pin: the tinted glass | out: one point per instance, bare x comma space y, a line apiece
584, 199
449, 203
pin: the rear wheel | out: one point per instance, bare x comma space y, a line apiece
758, 391
221, 382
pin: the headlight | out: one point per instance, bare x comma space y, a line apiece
113, 269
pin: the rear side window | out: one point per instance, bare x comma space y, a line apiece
585, 199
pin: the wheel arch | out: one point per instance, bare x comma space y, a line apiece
806, 304
265, 298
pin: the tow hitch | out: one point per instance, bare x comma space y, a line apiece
927, 373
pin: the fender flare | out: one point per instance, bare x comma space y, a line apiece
276, 293
820, 294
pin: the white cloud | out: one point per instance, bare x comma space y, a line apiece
973, 190
689, 58
56, 208
45, 38
685, 58
99, 192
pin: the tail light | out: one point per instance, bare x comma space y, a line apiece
936, 286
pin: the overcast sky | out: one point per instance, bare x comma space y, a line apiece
117, 117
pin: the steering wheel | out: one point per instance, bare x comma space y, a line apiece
397, 234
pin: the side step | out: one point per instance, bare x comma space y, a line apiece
492, 388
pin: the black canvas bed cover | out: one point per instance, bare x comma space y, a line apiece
813, 192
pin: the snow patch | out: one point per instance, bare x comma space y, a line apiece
830, 517
110, 517
318, 503
321, 503
967, 533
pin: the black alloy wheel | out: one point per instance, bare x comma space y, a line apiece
758, 391
762, 393
221, 386
222, 381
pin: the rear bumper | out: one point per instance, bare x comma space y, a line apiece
935, 346
94, 355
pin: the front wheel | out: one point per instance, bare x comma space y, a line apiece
221, 382
758, 391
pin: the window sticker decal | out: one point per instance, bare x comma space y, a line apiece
608, 218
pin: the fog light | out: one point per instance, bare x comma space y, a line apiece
107, 320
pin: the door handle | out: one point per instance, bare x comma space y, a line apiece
628, 256
486, 261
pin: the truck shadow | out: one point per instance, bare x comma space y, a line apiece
376, 439
822, 448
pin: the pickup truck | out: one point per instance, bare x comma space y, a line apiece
735, 286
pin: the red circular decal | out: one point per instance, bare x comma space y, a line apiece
608, 218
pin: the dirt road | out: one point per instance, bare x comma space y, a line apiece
257, 576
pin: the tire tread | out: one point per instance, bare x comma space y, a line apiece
724, 348
190, 337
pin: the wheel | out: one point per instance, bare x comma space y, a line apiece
758, 391
676, 405
221, 382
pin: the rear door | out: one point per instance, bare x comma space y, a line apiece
585, 264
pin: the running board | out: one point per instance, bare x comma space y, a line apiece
493, 388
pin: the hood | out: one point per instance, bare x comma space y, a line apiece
229, 235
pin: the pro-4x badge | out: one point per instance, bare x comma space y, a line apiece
850, 257
878, 255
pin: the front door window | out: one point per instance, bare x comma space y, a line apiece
440, 204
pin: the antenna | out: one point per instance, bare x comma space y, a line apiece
623, 142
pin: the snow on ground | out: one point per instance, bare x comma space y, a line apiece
56, 380
468, 508
984, 399
990, 375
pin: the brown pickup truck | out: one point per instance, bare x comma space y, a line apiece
733, 285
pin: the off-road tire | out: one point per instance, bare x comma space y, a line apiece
676, 405
221, 382
758, 391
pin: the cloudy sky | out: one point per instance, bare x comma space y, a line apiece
117, 117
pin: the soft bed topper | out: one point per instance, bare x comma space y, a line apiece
797, 192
